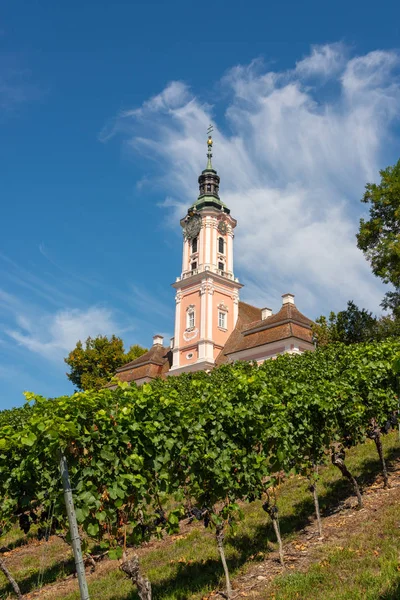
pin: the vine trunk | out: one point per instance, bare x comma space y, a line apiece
11, 579
132, 568
338, 460
378, 443
275, 524
220, 543
313, 490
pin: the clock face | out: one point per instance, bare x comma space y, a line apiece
192, 227
222, 227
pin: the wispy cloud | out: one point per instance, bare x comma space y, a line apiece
324, 60
53, 336
148, 303
39, 287
41, 315
301, 145
16, 86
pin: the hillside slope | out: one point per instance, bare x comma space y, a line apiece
358, 557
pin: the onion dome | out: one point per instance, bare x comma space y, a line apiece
209, 183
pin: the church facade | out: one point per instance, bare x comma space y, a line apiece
212, 326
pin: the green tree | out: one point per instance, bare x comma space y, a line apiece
94, 363
387, 326
379, 237
350, 326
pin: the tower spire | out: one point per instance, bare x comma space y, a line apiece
209, 147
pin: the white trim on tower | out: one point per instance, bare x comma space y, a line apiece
208, 225
176, 352
229, 244
185, 259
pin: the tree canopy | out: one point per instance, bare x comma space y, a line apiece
94, 363
349, 326
379, 237
355, 325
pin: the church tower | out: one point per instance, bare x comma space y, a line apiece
207, 292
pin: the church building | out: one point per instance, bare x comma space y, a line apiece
212, 326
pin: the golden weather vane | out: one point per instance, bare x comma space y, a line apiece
209, 132
209, 146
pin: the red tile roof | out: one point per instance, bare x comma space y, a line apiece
288, 322
153, 363
288, 312
250, 332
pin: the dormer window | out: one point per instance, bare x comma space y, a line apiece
194, 245
221, 245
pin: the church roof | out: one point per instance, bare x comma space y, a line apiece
288, 312
154, 363
252, 332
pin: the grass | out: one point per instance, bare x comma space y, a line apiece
188, 566
366, 569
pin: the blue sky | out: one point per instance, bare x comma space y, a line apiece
103, 112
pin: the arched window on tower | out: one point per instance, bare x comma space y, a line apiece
221, 245
194, 245
208, 187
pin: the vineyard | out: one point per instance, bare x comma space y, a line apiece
145, 462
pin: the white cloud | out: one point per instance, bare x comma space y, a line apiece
294, 152
324, 60
53, 336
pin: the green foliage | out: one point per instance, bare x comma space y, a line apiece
15, 417
379, 237
93, 365
197, 444
349, 326
355, 325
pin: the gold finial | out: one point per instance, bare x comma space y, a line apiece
209, 146
209, 132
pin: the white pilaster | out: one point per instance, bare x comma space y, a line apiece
210, 292
229, 250
203, 311
177, 334
235, 298
185, 254
214, 244
208, 240
202, 236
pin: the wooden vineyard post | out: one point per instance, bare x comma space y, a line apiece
73, 527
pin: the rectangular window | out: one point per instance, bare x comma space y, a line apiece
194, 245
194, 266
191, 319
222, 320
221, 266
